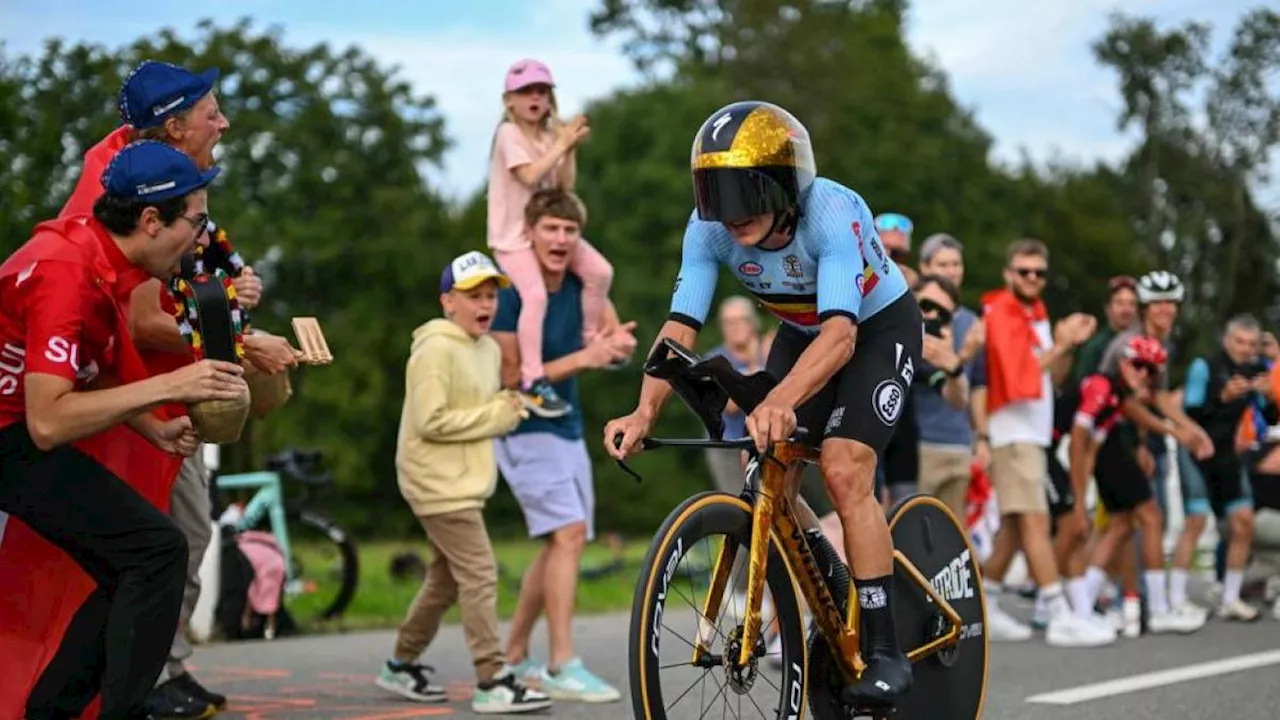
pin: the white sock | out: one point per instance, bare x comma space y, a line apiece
1156, 597
1054, 599
1177, 587
1231, 586
1095, 577
1041, 608
1081, 600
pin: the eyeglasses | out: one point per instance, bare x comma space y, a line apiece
889, 222
1146, 368
199, 223
1026, 272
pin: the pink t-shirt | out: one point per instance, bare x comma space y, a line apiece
507, 195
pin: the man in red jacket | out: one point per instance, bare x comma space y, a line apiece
170, 104
1026, 358
69, 372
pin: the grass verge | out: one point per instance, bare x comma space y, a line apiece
381, 600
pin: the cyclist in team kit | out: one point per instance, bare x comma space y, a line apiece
851, 336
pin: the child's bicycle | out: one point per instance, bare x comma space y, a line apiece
939, 607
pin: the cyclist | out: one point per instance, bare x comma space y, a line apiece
69, 372
845, 354
1124, 489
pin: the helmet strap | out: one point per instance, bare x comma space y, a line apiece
783, 222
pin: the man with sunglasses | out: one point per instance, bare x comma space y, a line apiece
1123, 487
1025, 360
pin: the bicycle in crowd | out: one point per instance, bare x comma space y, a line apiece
939, 606
323, 568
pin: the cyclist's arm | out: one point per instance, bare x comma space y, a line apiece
690, 303
819, 362
150, 326
1083, 454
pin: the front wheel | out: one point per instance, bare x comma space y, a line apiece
952, 683
326, 567
668, 604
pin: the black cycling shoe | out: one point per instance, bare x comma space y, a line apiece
887, 678
188, 683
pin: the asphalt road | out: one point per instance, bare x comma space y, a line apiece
331, 677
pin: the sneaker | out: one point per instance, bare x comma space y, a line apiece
1239, 611
542, 400
505, 694
1174, 621
412, 681
1002, 627
200, 692
575, 682
1192, 609
1131, 618
169, 701
526, 670
1067, 629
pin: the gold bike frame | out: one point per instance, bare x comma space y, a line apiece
773, 514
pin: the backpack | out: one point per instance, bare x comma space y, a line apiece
246, 579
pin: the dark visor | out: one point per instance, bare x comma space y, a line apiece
733, 194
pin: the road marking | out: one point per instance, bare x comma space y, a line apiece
1146, 681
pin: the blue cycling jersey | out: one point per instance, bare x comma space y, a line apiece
835, 265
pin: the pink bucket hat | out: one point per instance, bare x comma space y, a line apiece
524, 73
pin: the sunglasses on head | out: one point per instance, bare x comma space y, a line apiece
1026, 272
893, 221
936, 311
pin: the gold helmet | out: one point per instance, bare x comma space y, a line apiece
750, 158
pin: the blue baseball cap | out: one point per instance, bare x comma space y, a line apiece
155, 90
469, 270
153, 171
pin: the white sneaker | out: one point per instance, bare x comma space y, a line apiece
1192, 609
504, 694
1131, 618
1174, 621
1239, 611
1115, 619
1003, 627
1067, 629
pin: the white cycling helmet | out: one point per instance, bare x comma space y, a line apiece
1159, 286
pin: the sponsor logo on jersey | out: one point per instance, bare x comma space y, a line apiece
750, 268
857, 231
791, 264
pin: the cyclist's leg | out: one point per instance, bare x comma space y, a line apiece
870, 395
1195, 508
1230, 486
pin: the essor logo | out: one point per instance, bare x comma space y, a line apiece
13, 361
751, 269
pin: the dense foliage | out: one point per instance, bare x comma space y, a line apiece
324, 190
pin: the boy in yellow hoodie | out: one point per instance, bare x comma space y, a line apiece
453, 408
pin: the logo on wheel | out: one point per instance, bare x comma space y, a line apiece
888, 400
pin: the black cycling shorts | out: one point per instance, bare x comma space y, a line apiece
865, 398
1225, 479
1058, 491
1122, 486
